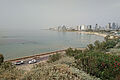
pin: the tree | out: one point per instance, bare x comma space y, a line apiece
1, 58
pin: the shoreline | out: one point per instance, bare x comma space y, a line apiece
93, 33
84, 32
40, 55
53, 52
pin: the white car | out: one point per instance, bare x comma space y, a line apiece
32, 61
19, 62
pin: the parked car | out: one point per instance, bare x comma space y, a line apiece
32, 61
19, 62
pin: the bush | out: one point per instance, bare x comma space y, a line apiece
110, 44
71, 52
6, 66
1, 58
98, 64
10, 72
54, 57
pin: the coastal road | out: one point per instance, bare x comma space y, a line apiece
38, 59
26, 66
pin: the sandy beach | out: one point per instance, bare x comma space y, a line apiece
95, 33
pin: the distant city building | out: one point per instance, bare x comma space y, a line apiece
117, 27
103, 28
113, 26
83, 27
96, 27
78, 28
108, 27
89, 27
70, 29
62, 28
59, 28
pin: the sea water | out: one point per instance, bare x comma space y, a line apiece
15, 44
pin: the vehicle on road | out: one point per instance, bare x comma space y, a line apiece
32, 61
19, 62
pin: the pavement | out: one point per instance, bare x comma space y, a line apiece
26, 66
38, 59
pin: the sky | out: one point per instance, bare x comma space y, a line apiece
43, 14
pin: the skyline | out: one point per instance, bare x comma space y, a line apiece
37, 14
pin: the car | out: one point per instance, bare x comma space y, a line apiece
32, 61
19, 62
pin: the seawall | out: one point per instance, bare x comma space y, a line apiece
40, 55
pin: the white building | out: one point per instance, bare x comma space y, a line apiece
108, 27
78, 28
83, 27
89, 27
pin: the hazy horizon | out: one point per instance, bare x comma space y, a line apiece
42, 14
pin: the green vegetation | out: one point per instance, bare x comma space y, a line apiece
99, 61
99, 64
54, 57
9, 72
95, 60
61, 69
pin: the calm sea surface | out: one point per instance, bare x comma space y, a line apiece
14, 44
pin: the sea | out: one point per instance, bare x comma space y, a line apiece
16, 44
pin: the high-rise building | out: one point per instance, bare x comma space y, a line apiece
113, 26
78, 28
108, 27
64, 28
59, 28
96, 27
89, 27
83, 27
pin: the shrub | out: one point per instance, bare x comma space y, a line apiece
9, 72
6, 65
110, 44
101, 65
90, 47
54, 57
71, 52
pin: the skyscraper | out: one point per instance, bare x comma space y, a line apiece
108, 27
96, 27
64, 28
83, 27
78, 28
89, 27
113, 26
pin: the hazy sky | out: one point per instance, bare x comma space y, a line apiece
29, 14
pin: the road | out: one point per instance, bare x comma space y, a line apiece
38, 59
